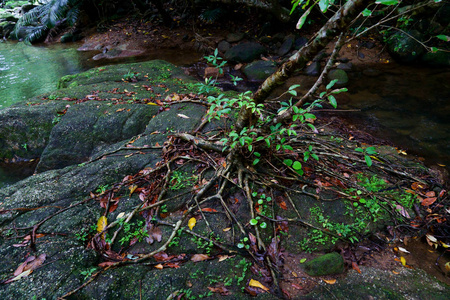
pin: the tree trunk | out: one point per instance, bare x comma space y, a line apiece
337, 24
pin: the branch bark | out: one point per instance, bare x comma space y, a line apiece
340, 22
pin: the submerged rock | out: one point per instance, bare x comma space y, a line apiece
259, 70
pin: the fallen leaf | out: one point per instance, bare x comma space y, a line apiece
192, 222
428, 201
330, 281
132, 188
447, 267
396, 273
403, 250
106, 264
430, 194
221, 290
356, 267
199, 257
226, 229
224, 257
256, 283
207, 209
302, 260
101, 225
403, 261
159, 266
183, 116
23, 274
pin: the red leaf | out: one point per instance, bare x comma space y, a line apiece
356, 267
207, 209
428, 201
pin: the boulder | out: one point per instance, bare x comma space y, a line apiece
245, 52
313, 69
340, 75
404, 46
235, 37
259, 70
328, 264
223, 46
286, 46
437, 59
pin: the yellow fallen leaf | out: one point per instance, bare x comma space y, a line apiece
159, 266
132, 189
403, 260
256, 283
330, 281
226, 229
447, 267
151, 103
224, 257
396, 273
101, 225
192, 222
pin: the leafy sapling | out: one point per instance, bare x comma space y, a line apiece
369, 151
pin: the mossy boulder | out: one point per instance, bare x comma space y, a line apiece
328, 264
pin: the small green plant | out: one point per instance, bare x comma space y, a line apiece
102, 188
131, 76
84, 234
204, 244
245, 266
25, 146
264, 204
244, 243
56, 119
214, 60
88, 273
369, 151
180, 180
133, 231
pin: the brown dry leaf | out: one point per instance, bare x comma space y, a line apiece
402, 211
428, 201
356, 267
256, 283
157, 234
23, 274
159, 266
199, 257
221, 290
120, 109
430, 194
106, 264
418, 186
224, 257
330, 281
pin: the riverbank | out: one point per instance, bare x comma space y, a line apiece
112, 149
105, 143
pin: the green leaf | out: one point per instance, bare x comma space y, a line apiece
302, 20
240, 245
309, 116
362, 200
368, 160
287, 147
253, 222
256, 161
288, 162
324, 4
366, 12
257, 154
297, 165
293, 93
359, 150
313, 155
332, 100
331, 84
371, 150
302, 260
294, 86
434, 49
263, 225
387, 2
443, 37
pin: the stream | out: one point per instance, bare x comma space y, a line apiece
406, 105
